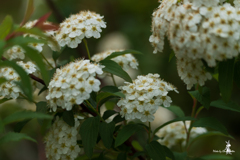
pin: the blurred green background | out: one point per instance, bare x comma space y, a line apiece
132, 19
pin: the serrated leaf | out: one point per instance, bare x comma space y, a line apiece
208, 134
211, 123
115, 54
18, 127
137, 146
89, 133
172, 121
232, 106
116, 69
35, 57
122, 156
12, 136
155, 150
225, 78
176, 110
18, 116
68, 117
110, 89
126, 132
106, 132
108, 114
6, 27
203, 98
25, 83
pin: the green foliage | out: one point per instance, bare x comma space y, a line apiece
226, 72
169, 153
111, 89
232, 106
126, 132
215, 157
106, 132
19, 126
155, 150
115, 69
6, 27
211, 123
29, 11
122, 156
237, 73
18, 116
89, 133
176, 110
115, 54
108, 113
12, 136
180, 156
137, 146
68, 117
203, 97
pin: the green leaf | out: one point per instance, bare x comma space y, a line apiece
89, 133
44, 88
208, 134
137, 146
2, 80
68, 117
104, 95
168, 153
115, 54
6, 27
35, 57
232, 106
211, 123
29, 11
110, 89
106, 132
18, 116
126, 132
122, 156
41, 107
237, 73
172, 121
2, 45
203, 97
25, 83
20, 40
171, 56
118, 119
18, 127
4, 100
1, 126
176, 110
116, 69
155, 150
180, 156
215, 157
226, 72
12, 136
108, 114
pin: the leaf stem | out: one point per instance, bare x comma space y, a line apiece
85, 42
114, 82
95, 110
46, 60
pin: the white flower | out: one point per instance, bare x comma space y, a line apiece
142, 98
61, 140
175, 133
73, 84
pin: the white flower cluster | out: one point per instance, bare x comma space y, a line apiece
236, 3
175, 133
144, 96
10, 89
73, 84
125, 61
61, 141
16, 52
76, 27
197, 29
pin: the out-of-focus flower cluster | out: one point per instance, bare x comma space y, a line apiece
73, 84
126, 61
175, 133
144, 96
197, 29
10, 89
78, 26
61, 141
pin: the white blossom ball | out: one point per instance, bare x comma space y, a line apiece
78, 26
144, 96
175, 133
61, 141
73, 84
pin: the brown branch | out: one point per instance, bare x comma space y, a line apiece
55, 11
